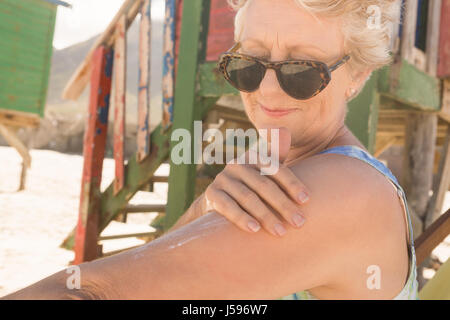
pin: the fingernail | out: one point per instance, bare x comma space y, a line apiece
253, 226
298, 220
280, 230
303, 197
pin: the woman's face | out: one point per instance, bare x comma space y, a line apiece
281, 30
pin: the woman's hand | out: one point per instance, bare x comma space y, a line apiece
247, 198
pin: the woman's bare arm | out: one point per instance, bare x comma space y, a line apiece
195, 211
211, 258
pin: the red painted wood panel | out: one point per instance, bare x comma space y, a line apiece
444, 42
179, 8
221, 29
120, 71
220, 33
143, 134
86, 247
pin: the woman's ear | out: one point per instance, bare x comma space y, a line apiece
359, 79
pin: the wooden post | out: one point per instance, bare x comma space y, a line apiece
143, 134
409, 30
13, 140
433, 32
418, 161
86, 247
420, 135
395, 37
120, 65
188, 104
440, 186
444, 42
168, 82
23, 177
442, 182
420, 140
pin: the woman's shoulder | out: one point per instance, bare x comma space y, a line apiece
351, 175
358, 199
361, 197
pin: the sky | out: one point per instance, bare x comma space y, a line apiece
87, 18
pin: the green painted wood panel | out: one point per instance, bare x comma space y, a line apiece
26, 37
188, 103
362, 115
407, 85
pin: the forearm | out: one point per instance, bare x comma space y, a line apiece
94, 285
55, 287
209, 258
170, 267
108, 278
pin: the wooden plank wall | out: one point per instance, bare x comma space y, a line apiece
444, 42
221, 29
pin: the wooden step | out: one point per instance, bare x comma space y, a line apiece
150, 187
142, 208
111, 253
128, 235
160, 179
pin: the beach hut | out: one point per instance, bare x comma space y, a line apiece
26, 37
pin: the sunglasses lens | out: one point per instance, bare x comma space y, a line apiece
244, 74
301, 81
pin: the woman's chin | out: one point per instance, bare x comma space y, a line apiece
260, 120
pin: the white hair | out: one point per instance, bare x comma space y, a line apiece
369, 47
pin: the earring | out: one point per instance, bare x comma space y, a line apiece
352, 92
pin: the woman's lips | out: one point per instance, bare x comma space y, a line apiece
276, 113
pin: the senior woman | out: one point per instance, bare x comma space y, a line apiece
355, 239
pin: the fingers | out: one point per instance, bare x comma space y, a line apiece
289, 182
253, 205
250, 199
266, 189
226, 206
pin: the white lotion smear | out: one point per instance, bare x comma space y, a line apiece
198, 228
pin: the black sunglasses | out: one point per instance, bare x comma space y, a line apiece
300, 79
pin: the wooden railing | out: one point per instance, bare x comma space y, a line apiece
108, 56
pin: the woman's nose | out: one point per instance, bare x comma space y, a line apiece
270, 86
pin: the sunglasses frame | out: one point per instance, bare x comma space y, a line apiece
323, 68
